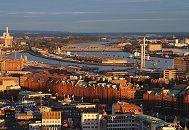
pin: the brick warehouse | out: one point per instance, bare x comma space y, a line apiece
11, 64
99, 91
167, 101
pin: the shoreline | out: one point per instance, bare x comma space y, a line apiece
82, 62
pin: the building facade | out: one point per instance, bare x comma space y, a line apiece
186, 41
102, 91
181, 63
6, 39
51, 120
170, 74
154, 47
11, 64
90, 121
121, 122
123, 107
132, 121
7, 83
167, 102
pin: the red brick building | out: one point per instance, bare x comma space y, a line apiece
60, 85
123, 107
181, 63
11, 64
167, 101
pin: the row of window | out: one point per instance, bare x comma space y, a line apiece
117, 121
90, 119
120, 125
52, 121
90, 123
89, 115
121, 117
84, 127
123, 129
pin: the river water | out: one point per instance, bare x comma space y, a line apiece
54, 62
160, 62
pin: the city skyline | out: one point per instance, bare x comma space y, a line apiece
96, 15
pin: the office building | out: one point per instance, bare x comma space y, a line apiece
51, 120
131, 121
90, 121
74, 111
170, 74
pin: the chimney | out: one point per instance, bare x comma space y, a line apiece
7, 29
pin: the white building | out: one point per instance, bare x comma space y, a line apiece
85, 105
35, 126
131, 121
32, 95
127, 121
179, 43
9, 83
90, 121
121, 122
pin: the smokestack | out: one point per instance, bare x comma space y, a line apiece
144, 51
7, 29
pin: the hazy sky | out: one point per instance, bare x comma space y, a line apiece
96, 15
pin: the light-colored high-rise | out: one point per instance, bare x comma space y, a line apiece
6, 39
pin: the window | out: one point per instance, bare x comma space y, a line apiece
1, 82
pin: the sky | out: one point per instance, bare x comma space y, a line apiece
95, 15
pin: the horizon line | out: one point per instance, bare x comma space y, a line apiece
96, 32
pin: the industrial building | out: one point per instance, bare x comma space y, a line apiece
114, 61
155, 47
6, 40
98, 90
11, 64
170, 102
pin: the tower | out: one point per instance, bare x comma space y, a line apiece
143, 53
7, 30
7, 38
